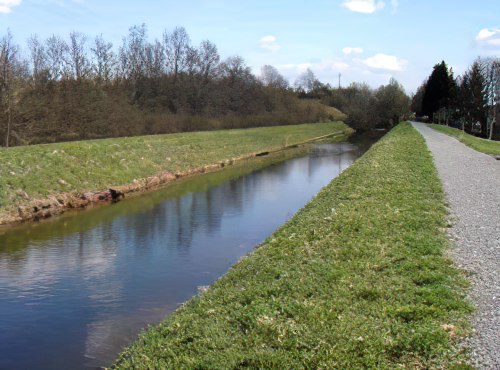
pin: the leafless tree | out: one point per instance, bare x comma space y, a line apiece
270, 76
78, 60
133, 53
104, 59
306, 81
57, 58
176, 48
154, 59
490, 69
8, 66
38, 61
208, 59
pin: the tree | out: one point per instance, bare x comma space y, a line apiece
38, 62
270, 76
154, 59
133, 53
491, 72
9, 67
360, 103
208, 60
439, 90
80, 66
176, 47
391, 103
306, 81
104, 59
57, 58
472, 98
417, 100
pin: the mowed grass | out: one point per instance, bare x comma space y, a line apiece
476, 143
41, 170
356, 279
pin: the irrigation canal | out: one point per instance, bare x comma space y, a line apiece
76, 289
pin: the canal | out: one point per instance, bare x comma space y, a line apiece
76, 289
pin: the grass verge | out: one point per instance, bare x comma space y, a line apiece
356, 279
476, 143
41, 170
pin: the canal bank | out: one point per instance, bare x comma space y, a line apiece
40, 181
358, 278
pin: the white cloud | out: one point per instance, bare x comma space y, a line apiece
350, 50
395, 5
7, 5
385, 62
488, 37
363, 6
269, 43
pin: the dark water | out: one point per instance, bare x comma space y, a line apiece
76, 289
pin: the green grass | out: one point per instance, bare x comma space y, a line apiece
356, 279
42, 170
476, 143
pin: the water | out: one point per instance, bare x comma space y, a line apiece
75, 290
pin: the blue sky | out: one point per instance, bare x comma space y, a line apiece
364, 40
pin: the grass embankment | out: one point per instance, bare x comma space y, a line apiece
476, 143
356, 279
41, 170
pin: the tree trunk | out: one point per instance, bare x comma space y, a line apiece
9, 121
493, 121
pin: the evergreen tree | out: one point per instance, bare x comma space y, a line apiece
439, 90
473, 99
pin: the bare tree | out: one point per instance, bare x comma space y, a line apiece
490, 69
133, 53
208, 59
78, 60
104, 59
154, 59
306, 81
270, 76
57, 58
38, 61
176, 47
8, 65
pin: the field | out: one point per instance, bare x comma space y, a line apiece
358, 278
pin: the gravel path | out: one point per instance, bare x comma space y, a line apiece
472, 184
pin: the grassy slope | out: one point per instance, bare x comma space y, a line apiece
98, 164
476, 143
356, 279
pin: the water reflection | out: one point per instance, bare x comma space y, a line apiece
77, 289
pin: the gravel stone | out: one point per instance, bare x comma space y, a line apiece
471, 181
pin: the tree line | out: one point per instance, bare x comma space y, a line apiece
470, 101
366, 108
60, 89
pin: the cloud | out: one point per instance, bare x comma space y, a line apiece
350, 50
7, 5
385, 62
395, 5
269, 43
488, 37
363, 6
